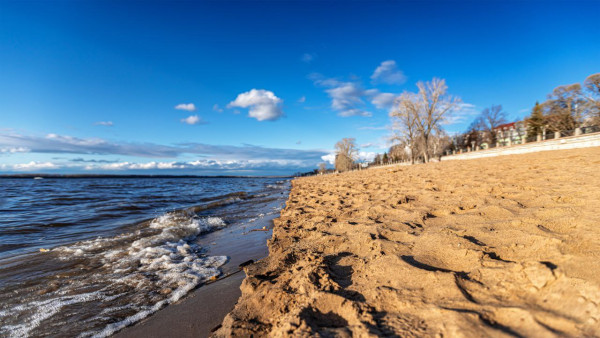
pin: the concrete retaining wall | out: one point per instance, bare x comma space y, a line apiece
581, 141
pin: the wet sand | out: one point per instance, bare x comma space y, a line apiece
204, 309
505, 246
195, 316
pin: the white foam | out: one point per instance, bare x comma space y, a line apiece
46, 309
150, 260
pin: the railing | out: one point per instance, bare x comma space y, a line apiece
590, 129
531, 139
545, 136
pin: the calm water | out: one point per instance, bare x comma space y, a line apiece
86, 257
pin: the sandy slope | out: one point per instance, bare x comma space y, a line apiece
506, 246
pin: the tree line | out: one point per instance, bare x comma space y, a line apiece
567, 107
418, 117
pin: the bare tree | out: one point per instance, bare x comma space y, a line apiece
425, 111
398, 152
592, 91
473, 136
404, 121
592, 83
490, 119
436, 106
322, 168
564, 106
377, 159
345, 154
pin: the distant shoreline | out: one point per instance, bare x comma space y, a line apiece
133, 176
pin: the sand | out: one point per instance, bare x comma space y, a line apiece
505, 246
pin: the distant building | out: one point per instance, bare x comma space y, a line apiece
511, 133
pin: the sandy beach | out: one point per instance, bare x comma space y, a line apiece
505, 246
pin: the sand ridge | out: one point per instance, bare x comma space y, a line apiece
505, 246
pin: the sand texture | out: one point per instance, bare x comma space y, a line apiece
505, 246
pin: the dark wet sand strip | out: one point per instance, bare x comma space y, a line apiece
195, 316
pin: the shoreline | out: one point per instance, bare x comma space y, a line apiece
204, 308
191, 317
499, 246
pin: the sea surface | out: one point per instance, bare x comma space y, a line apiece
88, 256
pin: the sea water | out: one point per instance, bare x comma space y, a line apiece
89, 256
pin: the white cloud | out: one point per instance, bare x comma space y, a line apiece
388, 72
329, 158
366, 156
302, 99
382, 100
214, 165
524, 110
217, 108
463, 113
186, 107
204, 164
346, 97
362, 157
33, 165
263, 104
104, 123
65, 139
193, 119
308, 57
13, 150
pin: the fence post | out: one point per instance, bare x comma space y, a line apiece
557, 134
543, 133
577, 131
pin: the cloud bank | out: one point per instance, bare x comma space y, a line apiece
62, 144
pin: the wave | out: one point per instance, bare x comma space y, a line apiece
137, 272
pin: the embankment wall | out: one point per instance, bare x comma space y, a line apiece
571, 142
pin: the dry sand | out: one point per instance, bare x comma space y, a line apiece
505, 246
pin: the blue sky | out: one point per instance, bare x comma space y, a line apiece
92, 87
